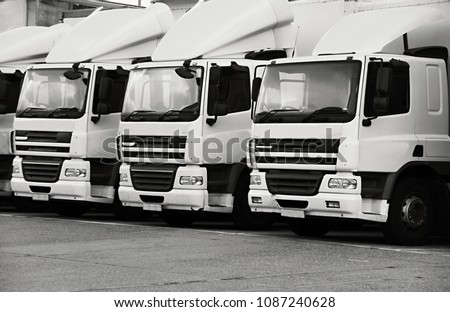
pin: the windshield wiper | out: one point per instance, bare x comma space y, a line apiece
273, 112
168, 113
325, 110
135, 113
61, 109
30, 109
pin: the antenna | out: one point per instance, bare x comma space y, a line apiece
405, 42
295, 42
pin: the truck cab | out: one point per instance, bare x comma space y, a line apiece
360, 130
21, 47
69, 110
186, 116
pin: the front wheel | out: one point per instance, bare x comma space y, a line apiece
411, 213
307, 227
178, 218
242, 216
26, 204
70, 208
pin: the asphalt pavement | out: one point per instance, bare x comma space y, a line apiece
41, 251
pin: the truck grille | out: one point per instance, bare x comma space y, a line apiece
42, 143
153, 148
148, 177
41, 170
297, 151
294, 182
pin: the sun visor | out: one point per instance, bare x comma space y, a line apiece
371, 31
114, 35
222, 28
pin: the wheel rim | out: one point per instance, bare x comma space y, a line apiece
414, 212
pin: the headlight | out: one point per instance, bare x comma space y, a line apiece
251, 159
339, 183
255, 180
123, 177
191, 180
75, 173
15, 169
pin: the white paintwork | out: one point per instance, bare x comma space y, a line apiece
371, 31
100, 40
222, 28
388, 143
20, 48
114, 35
27, 45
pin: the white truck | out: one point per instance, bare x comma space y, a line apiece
360, 130
21, 47
186, 115
69, 110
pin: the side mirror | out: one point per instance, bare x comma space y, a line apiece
255, 88
185, 73
103, 109
3, 90
381, 105
3, 109
384, 76
220, 109
104, 93
381, 101
72, 75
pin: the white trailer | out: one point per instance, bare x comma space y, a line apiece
69, 109
186, 115
360, 130
20, 48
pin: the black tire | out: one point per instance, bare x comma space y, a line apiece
69, 208
242, 216
411, 213
26, 204
308, 227
127, 213
178, 218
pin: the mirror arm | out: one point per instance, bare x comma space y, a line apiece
95, 119
211, 121
368, 121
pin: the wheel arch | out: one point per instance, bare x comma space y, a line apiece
437, 175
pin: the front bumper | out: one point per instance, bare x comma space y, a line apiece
180, 197
350, 203
78, 189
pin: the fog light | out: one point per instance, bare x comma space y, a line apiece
333, 204
339, 183
191, 180
123, 177
255, 180
75, 173
15, 169
256, 200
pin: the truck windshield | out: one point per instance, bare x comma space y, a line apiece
316, 92
160, 94
47, 93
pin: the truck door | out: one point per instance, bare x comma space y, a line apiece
227, 110
386, 134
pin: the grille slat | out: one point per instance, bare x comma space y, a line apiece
149, 177
293, 182
38, 142
36, 170
296, 151
154, 147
